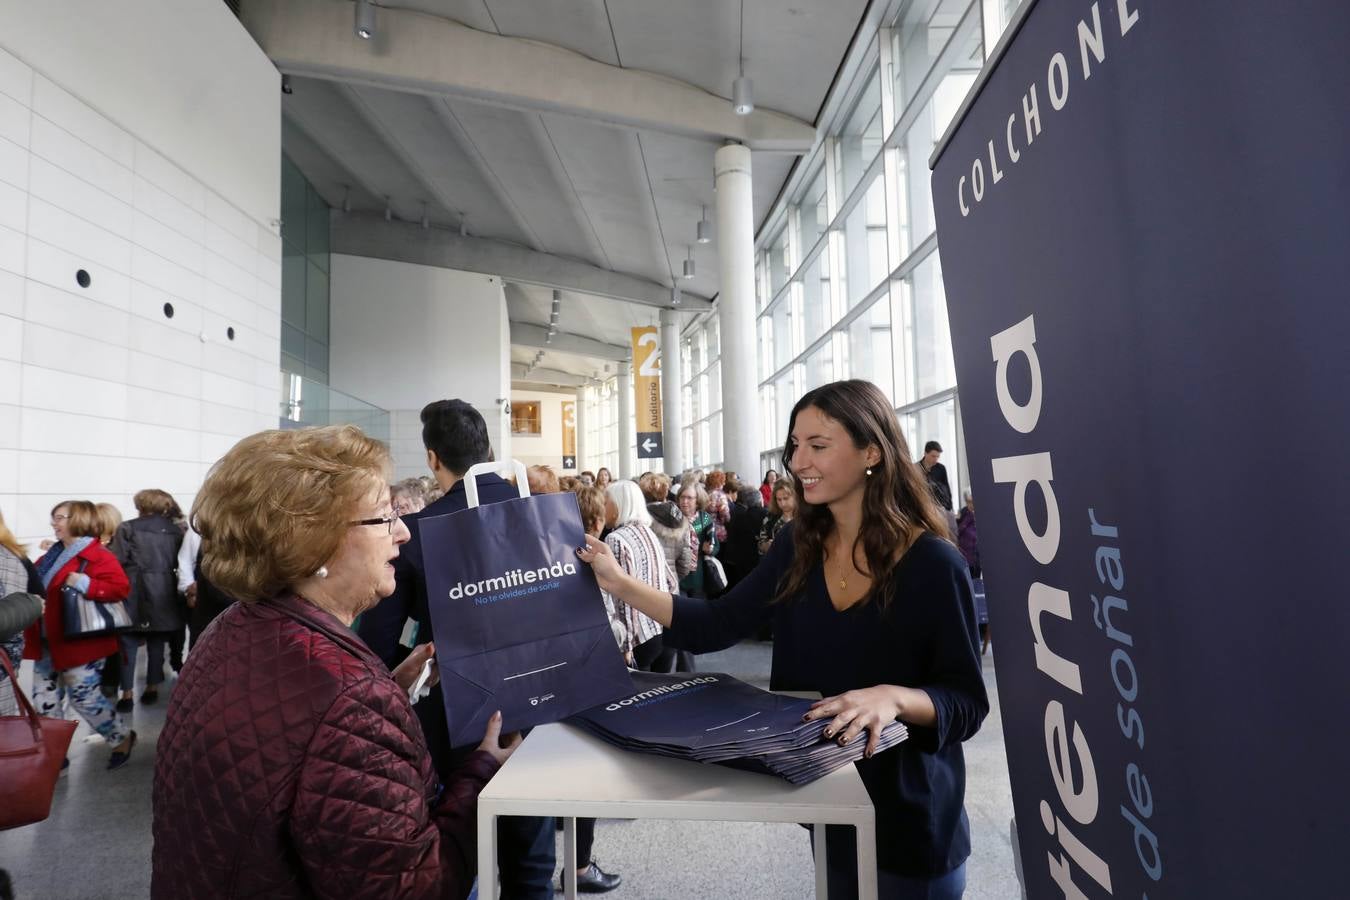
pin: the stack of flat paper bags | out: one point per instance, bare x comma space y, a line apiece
714, 718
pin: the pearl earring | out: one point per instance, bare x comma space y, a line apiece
322, 573
869, 470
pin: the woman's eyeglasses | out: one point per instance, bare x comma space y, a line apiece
387, 521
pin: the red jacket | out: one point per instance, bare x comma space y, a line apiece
291, 765
107, 582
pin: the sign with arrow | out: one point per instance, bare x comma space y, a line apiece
647, 392
569, 435
649, 445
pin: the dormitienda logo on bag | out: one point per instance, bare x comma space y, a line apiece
528, 581
656, 693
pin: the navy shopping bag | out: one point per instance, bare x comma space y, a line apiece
519, 620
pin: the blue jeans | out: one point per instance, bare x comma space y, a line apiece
842, 874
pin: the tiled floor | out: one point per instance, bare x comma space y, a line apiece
96, 844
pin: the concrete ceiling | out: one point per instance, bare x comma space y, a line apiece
371, 128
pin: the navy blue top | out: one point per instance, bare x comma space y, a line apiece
926, 639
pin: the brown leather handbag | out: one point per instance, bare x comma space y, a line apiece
32, 748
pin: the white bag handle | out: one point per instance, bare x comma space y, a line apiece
503, 467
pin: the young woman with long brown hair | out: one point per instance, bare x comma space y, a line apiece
872, 607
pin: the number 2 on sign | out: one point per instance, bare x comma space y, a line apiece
648, 367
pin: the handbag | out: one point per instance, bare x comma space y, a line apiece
85, 618
32, 748
714, 576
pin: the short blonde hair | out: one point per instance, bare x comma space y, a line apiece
276, 506
109, 519
82, 519
591, 502
542, 479
153, 501
655, 486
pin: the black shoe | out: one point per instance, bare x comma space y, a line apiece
119, 758
150, 696
596, 880
126, 704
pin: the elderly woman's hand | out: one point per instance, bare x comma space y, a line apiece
498, 747
406, 672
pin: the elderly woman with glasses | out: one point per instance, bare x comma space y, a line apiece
291, 763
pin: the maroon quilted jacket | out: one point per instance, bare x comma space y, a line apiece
292, 765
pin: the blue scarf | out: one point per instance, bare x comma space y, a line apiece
55, 558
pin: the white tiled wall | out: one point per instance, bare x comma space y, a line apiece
102, 394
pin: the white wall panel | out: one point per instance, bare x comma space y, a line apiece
158, 339
159, 442
15, 120
72, 474
9, 425
58, 268
157, 374
11, 389
228, 275
13, 163
61, 228
11, 338
152, 269
170, 179
76, 315
59, 107
64, 391
231, 248
11, 295
11, 250
13, 207
16, 79
58, 187
169, 210
59, 432
58, 348
160, 239
61, 148
157, 407
101, 394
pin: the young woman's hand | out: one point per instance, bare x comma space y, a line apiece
869, 708
601, 559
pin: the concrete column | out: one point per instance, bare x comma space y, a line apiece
736, 310
581, 429
627, 424
672, 378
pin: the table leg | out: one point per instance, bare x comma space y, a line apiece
487, 855
867, 861
822, 870
570, 858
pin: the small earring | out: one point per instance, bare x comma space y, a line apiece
869, 470
322, 573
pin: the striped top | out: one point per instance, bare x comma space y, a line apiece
640, 554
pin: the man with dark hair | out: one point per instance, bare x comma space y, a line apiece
455, 437
937, 474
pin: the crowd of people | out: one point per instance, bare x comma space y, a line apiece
294, 613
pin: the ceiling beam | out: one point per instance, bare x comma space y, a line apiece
547, 376
528, 334
357, 234
414, 51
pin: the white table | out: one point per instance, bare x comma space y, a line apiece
564, 772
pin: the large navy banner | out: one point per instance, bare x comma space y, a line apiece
1144, 222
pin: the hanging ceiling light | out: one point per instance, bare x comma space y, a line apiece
742, 90
676, 296
346, 198
689, 264
426, 221
388, 210
365, 19
704, 227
